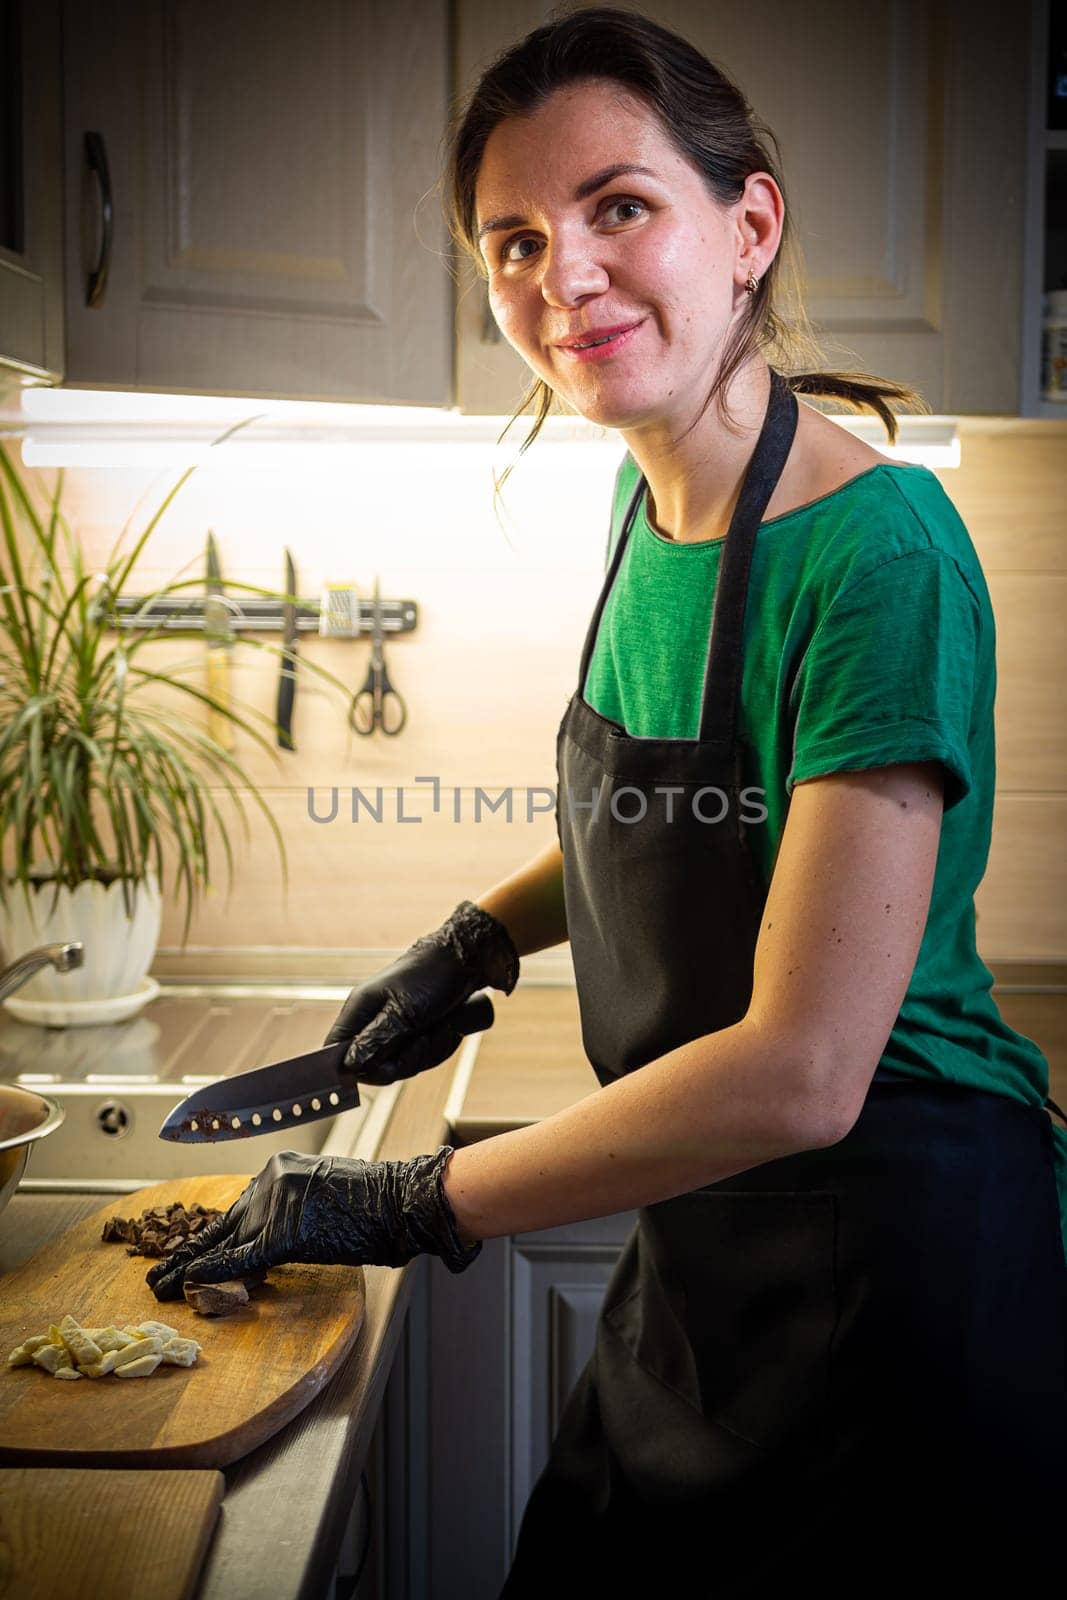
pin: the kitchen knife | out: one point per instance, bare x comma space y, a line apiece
287, 680
301, 1089
219, 634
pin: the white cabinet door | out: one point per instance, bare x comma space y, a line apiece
557, 1288
31, 188
902, 129
276, 226
506, 1343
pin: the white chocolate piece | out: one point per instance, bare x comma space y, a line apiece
161, 1329
107, 1363
20, 1357
82, 1348
111, 1338
66, 1372
133, 1352
49, 1356
143, 1367
180, 1352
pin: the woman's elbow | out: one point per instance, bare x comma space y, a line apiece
834, 1097
826, 1100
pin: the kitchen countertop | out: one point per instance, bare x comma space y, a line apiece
313, 1464
531, 1063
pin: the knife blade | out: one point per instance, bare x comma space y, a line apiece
300, 1089
219, 634
287, 680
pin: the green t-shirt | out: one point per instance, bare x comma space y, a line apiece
869, 639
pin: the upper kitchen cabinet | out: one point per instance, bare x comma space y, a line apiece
903, 133
251, 202
31, 164
1045, 299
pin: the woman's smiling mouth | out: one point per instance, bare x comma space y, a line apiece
597, 344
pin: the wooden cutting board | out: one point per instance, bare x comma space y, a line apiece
256, 1370
71, 1533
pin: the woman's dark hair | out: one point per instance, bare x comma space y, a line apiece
711, 124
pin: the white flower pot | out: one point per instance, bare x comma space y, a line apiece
117, 949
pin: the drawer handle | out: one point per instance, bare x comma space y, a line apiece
96, 158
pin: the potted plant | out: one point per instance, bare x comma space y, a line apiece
94, 775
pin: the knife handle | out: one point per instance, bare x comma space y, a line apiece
475, 1014
286, 696
220, 728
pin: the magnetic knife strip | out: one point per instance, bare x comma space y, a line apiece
252, 614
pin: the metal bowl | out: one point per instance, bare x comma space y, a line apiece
25, 1117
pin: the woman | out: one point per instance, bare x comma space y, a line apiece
838, 1332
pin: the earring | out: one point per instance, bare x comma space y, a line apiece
752, 283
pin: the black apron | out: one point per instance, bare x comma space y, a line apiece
850, 1362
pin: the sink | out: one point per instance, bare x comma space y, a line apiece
109, 1138
117, 1084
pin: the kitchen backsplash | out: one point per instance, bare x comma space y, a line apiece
487, 674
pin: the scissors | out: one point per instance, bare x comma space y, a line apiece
377, 705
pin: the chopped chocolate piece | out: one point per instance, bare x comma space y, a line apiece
216, 1299
159, 1228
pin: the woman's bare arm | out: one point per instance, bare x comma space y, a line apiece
530, 902
840, 934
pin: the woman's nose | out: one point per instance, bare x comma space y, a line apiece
571, 272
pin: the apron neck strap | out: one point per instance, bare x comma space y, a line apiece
719, 711
718, 717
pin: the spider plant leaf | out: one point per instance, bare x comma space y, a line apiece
25, 634
216, 704
65, 629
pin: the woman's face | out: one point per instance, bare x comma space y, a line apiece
646, 259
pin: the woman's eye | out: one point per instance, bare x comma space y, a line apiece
512, 251
507, 253
624, 205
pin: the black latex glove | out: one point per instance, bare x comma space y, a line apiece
327, 1210
398, 1020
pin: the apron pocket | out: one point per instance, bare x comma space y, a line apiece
735, 1308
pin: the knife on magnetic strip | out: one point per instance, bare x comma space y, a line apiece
287, 680
219, 633
301, 1089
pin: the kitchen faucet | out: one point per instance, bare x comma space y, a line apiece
64, 957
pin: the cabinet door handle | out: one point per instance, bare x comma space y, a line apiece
96, 158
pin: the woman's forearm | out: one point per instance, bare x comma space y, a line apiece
530, 902
705, 1111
